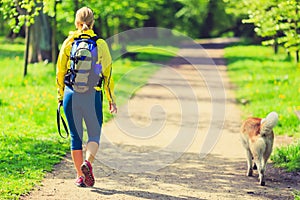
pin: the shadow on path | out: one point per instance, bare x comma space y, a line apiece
189, 177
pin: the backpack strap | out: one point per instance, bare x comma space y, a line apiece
84, 35
95, 38
81, 36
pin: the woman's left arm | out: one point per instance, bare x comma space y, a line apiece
106, 62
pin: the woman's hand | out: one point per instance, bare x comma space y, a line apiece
60, 103
113, 108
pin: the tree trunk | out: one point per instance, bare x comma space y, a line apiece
76, 6
275, 45
1, 24
107, 30
97, 27
297, 34
54, 45
151, 22
289, 55
40, 37
209, 20
27, 40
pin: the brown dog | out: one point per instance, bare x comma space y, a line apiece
257, 138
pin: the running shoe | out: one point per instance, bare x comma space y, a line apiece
80, 182
87, 170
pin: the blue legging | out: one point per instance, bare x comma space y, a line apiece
79, 107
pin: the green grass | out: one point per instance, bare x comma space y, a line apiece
296, 195
287, 157
29, 142
266, 82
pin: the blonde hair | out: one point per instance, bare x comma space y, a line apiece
84, 19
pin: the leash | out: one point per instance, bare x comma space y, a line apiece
60, 118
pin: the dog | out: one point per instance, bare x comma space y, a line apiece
257, 138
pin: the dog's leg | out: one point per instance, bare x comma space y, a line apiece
265, 157
262, 177
261, 170
263, 182
249, 163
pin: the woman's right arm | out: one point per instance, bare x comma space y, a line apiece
62, 67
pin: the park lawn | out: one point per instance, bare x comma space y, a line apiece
29, 143
267, 82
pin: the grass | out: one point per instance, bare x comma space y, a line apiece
266, 82
29, 142
288, 157
296, 195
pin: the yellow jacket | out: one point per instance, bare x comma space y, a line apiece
104, 57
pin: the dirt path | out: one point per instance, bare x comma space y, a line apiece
156, 147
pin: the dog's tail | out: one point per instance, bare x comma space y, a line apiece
268, 123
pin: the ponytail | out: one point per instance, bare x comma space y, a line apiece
85, 27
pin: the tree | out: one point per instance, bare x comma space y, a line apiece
192, 14
275, 20
289, 24
26, 12
40, 47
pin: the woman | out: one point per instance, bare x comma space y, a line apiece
85, 106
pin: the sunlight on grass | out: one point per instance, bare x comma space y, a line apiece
266, 82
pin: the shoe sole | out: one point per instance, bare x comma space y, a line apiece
89, 178
80, 185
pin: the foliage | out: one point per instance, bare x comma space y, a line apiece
287, 157
289, 12
191, 15
20, 12
115, 13
201, 18
266, 82
195, 18
276, 20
